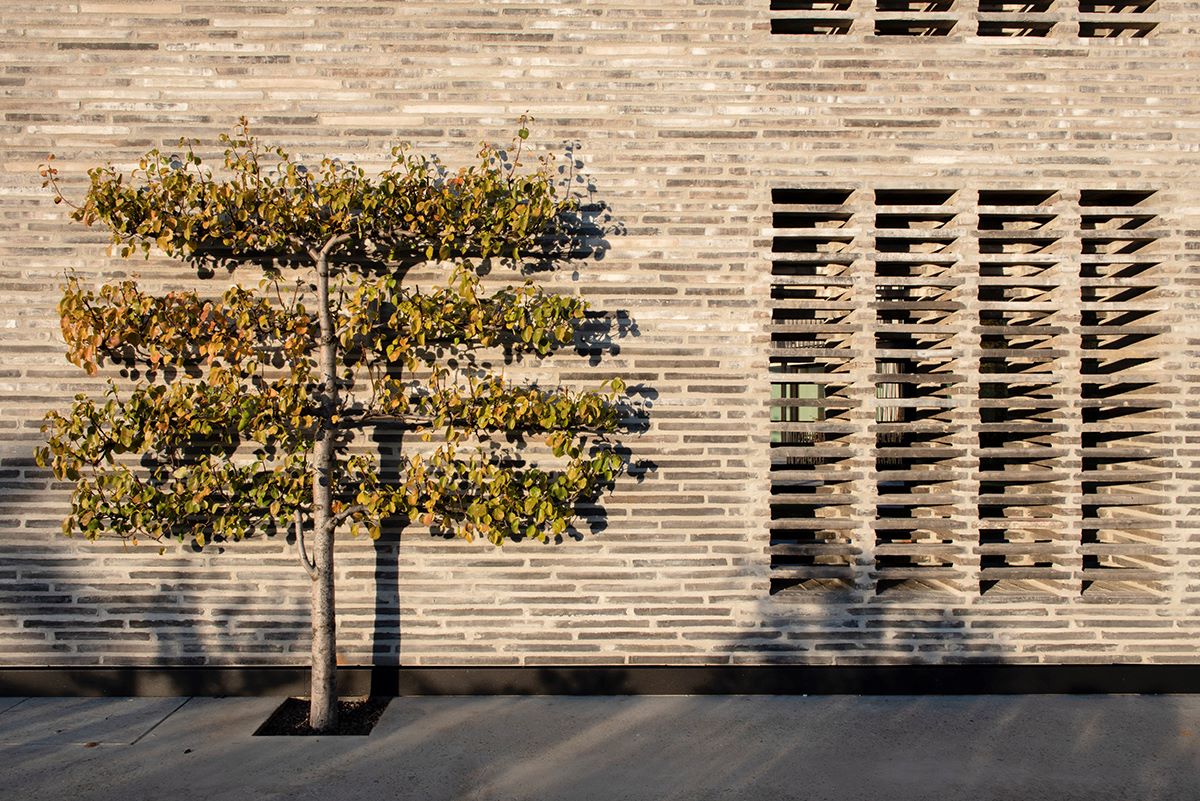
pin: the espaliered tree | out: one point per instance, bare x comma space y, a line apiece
238, 411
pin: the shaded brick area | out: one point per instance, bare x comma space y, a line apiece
684, 117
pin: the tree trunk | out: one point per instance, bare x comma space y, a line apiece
323, 710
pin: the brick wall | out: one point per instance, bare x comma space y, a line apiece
687, 114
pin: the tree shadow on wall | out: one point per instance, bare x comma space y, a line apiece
89, 618
579, 236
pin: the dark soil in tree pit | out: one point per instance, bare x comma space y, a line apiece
356, 716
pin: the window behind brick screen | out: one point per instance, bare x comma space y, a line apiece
964, 393
1094, 19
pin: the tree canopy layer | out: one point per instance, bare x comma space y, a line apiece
232, 399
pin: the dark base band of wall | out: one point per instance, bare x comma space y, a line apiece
614, 680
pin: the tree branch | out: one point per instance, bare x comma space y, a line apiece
352, 420
328, 247
344, 515
309, 566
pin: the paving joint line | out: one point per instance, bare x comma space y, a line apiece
161, 722
14, 706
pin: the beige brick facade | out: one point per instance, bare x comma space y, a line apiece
687, 115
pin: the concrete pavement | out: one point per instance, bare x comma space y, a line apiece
613, 748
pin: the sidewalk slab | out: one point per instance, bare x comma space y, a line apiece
234, 718
700, 748
67, 721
